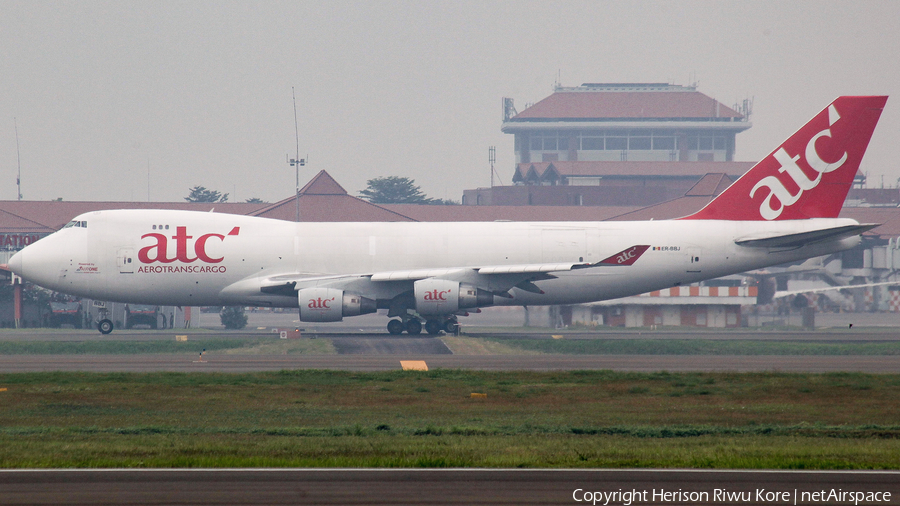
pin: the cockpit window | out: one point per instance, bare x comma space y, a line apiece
76, 223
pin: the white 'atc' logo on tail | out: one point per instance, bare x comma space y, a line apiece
790, 167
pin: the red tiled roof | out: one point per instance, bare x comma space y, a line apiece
323, 199
672, 209
42, 216
322, 202
710, 184
878, 196
329, 208
511, 213
323, 184
627, 105
888, 217
606, 169
12, 223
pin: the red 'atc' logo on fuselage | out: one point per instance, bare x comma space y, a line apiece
626, 257
159, 250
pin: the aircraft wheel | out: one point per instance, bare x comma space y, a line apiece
451, 326
413, 327
105, 326
396, 327
433, 327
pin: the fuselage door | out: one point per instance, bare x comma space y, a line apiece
125, 260
693, 259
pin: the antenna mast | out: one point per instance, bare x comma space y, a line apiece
18, 163
492, 157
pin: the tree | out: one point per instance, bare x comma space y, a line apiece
255, 200
394, 190
233, 317
442, 202
201, 194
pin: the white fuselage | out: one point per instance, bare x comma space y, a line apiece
191, 258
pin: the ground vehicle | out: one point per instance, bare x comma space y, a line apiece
65, 313
141, 314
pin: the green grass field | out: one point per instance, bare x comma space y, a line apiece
651, 346
429, 419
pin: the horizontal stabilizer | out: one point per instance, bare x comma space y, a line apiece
782, 294
798, 239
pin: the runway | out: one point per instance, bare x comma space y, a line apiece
367, 351
435, 486
636, 363
825, 335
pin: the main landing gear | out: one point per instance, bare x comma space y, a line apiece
433, 326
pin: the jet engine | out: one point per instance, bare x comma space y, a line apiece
442, 297
331, 304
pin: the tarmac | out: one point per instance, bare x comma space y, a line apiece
354, 362
425, 487
368, 347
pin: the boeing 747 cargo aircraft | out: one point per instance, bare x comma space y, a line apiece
783, 209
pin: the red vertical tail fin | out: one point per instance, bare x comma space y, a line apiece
809, 175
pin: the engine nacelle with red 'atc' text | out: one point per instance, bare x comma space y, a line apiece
331, 305
443, 297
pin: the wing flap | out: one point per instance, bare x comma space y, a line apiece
490, 270
526, 268
412, 275
798, 239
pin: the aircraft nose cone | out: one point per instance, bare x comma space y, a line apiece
15, 263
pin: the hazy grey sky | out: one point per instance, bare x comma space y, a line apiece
201, 91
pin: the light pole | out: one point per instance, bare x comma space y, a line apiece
297, 162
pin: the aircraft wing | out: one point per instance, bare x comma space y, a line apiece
798, 239
497, 279
623, 258
415, 275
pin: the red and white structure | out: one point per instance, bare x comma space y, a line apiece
690, 306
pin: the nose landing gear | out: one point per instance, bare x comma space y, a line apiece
105, 326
